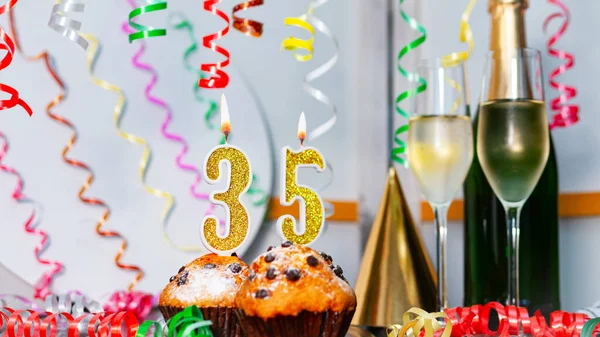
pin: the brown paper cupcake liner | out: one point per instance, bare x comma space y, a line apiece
224, 320
305, 324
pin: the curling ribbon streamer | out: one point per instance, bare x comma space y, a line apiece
589, 327
91, 59
41, 289
144, 32
456, 58
293, 43
8, 45
75, 305
170, 136
219, 78
67, 27
247, 26
423, 322
319, 95
400, 148
188, 323
257, 196
565, 114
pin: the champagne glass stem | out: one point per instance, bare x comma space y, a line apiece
441, 222
513, 212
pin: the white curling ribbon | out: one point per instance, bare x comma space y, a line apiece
320, 96
75, 305
65, 26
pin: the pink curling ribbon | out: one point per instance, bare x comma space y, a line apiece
168, 135
136, 302
565, 114
41, 288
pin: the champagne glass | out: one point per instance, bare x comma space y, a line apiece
513, 139
440, 146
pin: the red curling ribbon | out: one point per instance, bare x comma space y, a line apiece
247, 26
76, 163
565, 114
9, 46
135, 302
219, 78
42, 286
117, 323
564, 324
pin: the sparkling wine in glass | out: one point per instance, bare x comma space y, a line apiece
440, 147
513, 139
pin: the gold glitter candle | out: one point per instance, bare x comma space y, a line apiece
312, 211
240, 177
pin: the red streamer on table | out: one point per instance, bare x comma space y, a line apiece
42, 287
76, 163
26, 323
219, 78
8, 45
247, 26
474, 320
565, 114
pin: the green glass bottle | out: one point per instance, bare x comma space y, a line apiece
486, 265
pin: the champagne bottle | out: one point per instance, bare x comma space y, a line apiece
486, 264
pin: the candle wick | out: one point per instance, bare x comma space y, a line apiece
301, 143
226, 134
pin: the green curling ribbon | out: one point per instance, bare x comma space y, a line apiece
144, 32
146, 326
257, 196
589, 326
189, 323
400, 148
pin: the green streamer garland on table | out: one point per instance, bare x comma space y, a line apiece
178, 21
399, 150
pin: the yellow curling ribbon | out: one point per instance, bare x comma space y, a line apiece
293, 43
454, 59
423, 320
118, 113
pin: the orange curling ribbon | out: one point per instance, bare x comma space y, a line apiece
73, 162
91, 57
9, 46
219, 78
247, 26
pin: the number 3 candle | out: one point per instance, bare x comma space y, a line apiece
240, 177
312, 210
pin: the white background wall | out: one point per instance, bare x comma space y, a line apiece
357, 85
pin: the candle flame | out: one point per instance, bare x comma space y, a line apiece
225, 122
302, 128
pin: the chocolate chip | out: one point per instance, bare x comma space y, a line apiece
181, 269
234, 254
327, 257
252, 275
271, 273
269, 258
271, 248
182, 279
235, 268
209, 266
312, 261
286, 244
338, 271
262, 293
293, 274
172, 278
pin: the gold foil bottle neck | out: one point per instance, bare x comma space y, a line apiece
494, 3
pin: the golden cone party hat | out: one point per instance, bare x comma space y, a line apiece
396, 272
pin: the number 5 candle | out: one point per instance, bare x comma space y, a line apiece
240, 177
312, 211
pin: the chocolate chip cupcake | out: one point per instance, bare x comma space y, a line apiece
210, 283
294, 291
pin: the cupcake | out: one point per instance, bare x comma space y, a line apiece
294, 291
210, 283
